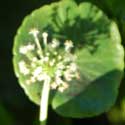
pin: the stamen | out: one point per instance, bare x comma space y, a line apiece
35, 33
45, 35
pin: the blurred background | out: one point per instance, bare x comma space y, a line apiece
15, 107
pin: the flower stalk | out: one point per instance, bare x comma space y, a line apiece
44, 101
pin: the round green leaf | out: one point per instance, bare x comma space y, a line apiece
98, 51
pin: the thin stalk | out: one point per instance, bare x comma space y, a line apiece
44, 101
40, 52
35, 33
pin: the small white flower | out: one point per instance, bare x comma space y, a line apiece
23, 50
68, 75
59, 57
37, 71
54, 85
73, 67
58, 80
63, 86
55, 43
42, 77
61, 89
34, 62
68, 45
34, 32
31, 80
23, 69
52, 62
26, 49
58, 73
45, 59
34, 59
30, 47
60, 66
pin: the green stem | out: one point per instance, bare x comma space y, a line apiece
44, 101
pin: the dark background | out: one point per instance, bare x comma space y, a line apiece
15, 107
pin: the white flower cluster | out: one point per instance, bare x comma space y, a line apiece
26, 49
48, 61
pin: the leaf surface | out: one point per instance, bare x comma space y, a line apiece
97, 48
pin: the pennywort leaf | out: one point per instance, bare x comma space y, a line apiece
74, 48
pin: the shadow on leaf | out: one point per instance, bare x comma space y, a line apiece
98, 97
